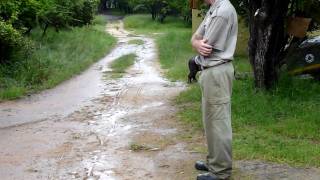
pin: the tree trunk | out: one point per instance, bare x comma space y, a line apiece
103, 5
153, 12
267, 38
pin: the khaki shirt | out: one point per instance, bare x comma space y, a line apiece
220, 28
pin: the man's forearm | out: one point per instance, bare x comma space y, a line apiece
200, 45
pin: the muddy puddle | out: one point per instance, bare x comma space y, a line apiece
94, 127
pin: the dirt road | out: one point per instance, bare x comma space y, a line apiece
94, 127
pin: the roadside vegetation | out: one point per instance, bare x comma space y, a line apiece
281, 125
136, 42
43, 43
120, 65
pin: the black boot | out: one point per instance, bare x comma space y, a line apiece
201, 166
207, 176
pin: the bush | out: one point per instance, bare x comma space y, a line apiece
64, 13
83, 12
24, 15
19, 17
57, 57
21, 14
12, 41
9, 10
54, 13
27, 15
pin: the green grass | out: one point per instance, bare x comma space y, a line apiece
120, 65
57, 57
279, 126
138, 147
136, 41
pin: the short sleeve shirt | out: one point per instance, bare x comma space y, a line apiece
220, 28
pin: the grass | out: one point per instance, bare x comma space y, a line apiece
280, 126
120, 65
136, 41
57, 57
138, 147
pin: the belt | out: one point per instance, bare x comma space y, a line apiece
207, 67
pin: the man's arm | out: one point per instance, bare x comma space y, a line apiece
217, 33
201, 45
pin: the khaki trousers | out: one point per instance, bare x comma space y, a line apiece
216, 86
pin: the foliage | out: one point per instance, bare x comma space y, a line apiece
24, 15
10, 39
9, 10
62, 13
21, 66
55, 58
19, 17
12, 43
159, 9
182, 7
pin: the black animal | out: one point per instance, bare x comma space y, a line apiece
193, 69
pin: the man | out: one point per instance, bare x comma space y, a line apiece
215, 40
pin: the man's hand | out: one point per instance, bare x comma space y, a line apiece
202, 47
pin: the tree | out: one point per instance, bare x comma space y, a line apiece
124, 5
267, 19
159, 9
182, 8
267, 38
102, 5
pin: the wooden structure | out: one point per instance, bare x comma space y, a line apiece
298, 26
196, 17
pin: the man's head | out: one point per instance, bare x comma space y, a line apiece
209, 2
